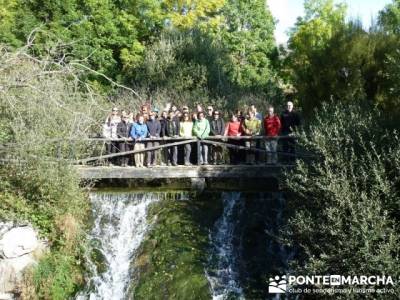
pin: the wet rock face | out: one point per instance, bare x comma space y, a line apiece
19, 249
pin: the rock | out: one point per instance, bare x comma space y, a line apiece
11, 272
19, 249
4, 227
6, 296
18, 241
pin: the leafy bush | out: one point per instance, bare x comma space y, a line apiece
43, 100
56, 277
345, 203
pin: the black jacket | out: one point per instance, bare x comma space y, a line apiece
290, 121
154, 128
172, 127
217, 127
123, 129
163, 123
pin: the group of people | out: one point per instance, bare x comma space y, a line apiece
150, 128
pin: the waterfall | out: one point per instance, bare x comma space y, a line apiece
120, 224
223, 270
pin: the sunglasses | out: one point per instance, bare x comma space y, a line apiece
209, 108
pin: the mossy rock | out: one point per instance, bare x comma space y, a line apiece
170, 263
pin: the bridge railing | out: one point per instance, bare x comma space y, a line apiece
100, 155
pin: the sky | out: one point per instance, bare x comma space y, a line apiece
287, 11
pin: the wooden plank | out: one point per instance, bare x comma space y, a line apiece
85, 160
223, 171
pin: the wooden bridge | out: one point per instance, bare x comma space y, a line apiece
91, 159
96, 167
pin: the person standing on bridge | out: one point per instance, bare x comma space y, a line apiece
290, 120
233, 129
186, 130
172, 130
217, 128
258, 115
201, 129
210, 117
123, 132
272, 128
138, 133
154, 129
251, 127
163, 134
110, 132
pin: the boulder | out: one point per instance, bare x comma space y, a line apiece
19, 249
18, 241
11, 272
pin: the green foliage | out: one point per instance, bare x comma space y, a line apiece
330, 59
42, 100
247, 36
193, 13
56, 277
345, 203
105, 34
201, 49
170, 264
389, 17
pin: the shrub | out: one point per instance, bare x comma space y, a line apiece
344, 205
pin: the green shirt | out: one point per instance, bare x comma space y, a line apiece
201, 129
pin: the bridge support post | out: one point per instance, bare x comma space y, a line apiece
198, 184
198, 152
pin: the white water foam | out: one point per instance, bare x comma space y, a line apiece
222, 272
120, 224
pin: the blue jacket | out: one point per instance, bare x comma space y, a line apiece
138, 131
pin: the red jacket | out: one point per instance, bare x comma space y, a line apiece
272, 125
233, 128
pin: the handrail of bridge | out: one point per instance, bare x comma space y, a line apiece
168, 142
179, 141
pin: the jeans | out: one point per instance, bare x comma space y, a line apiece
271, 146
173, 154
203, 154
250, 156
188, 150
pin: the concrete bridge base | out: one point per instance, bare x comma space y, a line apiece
196, 178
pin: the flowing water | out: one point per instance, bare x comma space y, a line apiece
245, 246
120, 224
223, 269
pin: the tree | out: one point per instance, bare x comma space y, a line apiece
191, 13
247, 35
109, 36
389, 17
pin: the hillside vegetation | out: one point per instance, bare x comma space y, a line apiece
63, 64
